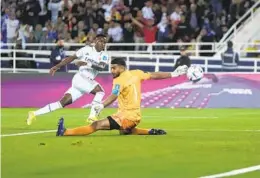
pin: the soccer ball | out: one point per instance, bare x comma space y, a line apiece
195, 73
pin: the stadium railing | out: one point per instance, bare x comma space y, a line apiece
147, 48
151, 61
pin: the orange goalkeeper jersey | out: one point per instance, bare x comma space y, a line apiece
128, 89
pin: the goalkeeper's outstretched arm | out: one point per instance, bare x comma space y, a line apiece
181, 70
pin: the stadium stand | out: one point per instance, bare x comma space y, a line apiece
79, 21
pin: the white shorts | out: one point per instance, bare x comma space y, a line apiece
80, 86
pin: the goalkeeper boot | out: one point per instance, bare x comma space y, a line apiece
31, 117
157, 132
61, 128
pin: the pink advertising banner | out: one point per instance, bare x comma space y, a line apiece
214, 91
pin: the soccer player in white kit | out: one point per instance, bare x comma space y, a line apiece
92, 59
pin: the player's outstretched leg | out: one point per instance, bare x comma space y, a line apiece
66, 100
84, 130
99, 94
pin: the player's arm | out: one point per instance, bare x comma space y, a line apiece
64, 62
181, 70
110, 99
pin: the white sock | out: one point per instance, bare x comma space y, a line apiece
97, 99
48, 108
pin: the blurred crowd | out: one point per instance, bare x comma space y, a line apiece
128, 21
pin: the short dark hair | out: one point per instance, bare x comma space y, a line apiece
119, 61
229, 44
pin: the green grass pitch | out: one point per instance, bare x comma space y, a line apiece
199, 142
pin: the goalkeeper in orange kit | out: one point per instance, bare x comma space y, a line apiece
127, 89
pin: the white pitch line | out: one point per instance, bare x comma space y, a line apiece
234, 172
27, 133
173, 130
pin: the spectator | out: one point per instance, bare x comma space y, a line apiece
246, 4
115, 32
72, 26
38, 33
74, 9
234, 11
66, 4
82, 37
58, 54
31, 12
162, 33
150, 28
136, 3
43, 14
128, 33
105, 29
89, 18
12, 26
171, 5
183, 28
95, 29
78, 28
183, 59
115, 14
205, 37
147, 10
230, 58
138, 31
216, 6
4, 25
193, 18
176, 15
52, 33
108, 7
55, 7
100, 19
157, 12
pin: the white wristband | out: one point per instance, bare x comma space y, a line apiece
174, 74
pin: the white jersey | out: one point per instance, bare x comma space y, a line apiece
89, 55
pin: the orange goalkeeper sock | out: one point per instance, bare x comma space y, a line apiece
138, 131
84, 130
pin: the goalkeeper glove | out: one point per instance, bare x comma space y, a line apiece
181, 70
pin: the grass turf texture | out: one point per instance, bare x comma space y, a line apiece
199, 143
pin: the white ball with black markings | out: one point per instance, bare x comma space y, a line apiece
195, 73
